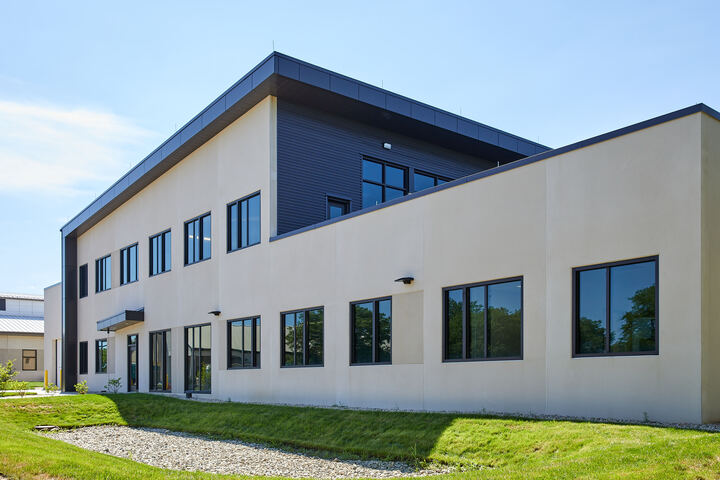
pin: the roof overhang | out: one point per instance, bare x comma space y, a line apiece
121, 320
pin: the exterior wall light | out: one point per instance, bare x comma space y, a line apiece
214, 312
405, 280
387, 146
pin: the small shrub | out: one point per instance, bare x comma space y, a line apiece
7, 374
52, 388
113, 385
21, 387
82, 387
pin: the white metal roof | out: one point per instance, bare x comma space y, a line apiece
17, 324
21, 296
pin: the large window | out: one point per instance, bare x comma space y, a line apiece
197, 239
382, 182
103, 274
29, 360
101, 358
128, 265
197, 359
371, 330
160, 251
83, 353
615, 311
160, 361
83, 281
302, 337
243, 222
244, 343
422, 180
483, 321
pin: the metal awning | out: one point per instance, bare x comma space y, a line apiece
121, 320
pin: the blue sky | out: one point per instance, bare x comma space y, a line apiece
87, 89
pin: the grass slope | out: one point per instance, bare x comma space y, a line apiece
491, 447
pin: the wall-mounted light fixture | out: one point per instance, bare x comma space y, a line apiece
405, 280
214, 312
387, 146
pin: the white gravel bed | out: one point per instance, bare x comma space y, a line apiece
181, 451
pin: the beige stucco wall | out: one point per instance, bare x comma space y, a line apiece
53, 330
11, 347
624, 198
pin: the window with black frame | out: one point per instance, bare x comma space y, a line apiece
197, 359
29, 360
243, 222
422, 180
101, 355
83, 281
128, 265
382, 182
103, 274
160, 253
83, 361
337, 207
371, 331
483, 321
160, 361
198, 239
616, 308
302, 337
244, 343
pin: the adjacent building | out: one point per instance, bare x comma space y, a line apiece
312, 239
21, 335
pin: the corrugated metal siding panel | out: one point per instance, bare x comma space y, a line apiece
319, 154
22, 325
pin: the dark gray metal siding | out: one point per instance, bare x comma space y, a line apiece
320, 154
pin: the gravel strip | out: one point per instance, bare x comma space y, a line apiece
181, 451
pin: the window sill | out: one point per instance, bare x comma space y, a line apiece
199, 261
303, 366
472, 360
616, 354
243, 248
129, 283
370, 364
243, 368
160, 273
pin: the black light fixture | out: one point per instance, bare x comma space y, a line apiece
214, 312
405, 280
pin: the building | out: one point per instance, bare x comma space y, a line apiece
21, 334
311, 239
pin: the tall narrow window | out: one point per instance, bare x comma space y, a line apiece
103, 274
83, 353
128, 265
132, 362
382, 182
197, 359
483, 321
616, 308
243, 222
160, 253
422, 180
83, 281
29, 360
160, 361
371, 330
302, 337
197, 239
3, 307
337, 207
244, 343
101, 351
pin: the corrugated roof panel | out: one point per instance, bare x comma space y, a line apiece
13, 324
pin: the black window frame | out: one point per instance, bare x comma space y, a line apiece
125, 264
306, 353
163, 246
375, 302
83, 281
239, 232
185, 355
333, 199
166, 370
83, 358
383, 184
200, 221
33, 357
100, 267
133, 344
437, 178
97, 357
3, 305
255, 351
466, 320
576, 305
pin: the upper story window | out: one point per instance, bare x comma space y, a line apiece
103, 274
422, 180
197, 239
243, 227
371, 330
302, 337
244, 343
3, 306
160, 253
128, 265
101, 357
483, 321
382, 182
337, 207
83, 281
615, 308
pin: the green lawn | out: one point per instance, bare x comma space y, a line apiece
489, 447
13, 394
36, 384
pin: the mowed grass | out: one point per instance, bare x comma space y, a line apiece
485, 447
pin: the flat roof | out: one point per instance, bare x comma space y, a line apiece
22, 296
289, 78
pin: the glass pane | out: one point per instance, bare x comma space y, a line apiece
394, 177
476, 330
254, 220
391, 193
133, 263
154, 362
592, 311
289, 339
206, 231
315, 337
108, 273
189, 376
244, 223
505, 319
440, 181
371, 194
372, 171
454, 324
362, 332
299, 338
257, 342
233, 228
205, 356
336, 209
384, 331
423, 181
190, 242
235, 344
632, 308
168, 360
154, 256
247, 343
